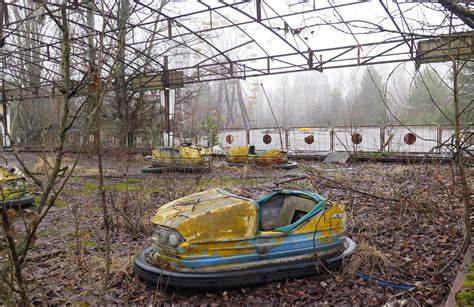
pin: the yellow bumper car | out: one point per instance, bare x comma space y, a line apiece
184, 159
247, 155
214, 239
15, 190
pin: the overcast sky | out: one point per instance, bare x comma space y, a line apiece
315, 32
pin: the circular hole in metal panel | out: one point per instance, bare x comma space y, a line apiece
309, 139
409, 138
229, 139
267, 139
356, 138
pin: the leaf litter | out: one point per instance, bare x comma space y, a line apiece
415, 240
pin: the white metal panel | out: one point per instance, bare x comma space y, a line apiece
308, 140
232, 137
447, 138
352, 139
267, 138
420, 139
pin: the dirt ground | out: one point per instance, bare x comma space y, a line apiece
406, 219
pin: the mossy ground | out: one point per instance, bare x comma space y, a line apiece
60, 202
465, 297
131, 185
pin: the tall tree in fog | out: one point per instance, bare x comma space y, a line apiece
284, 103
311, 95
428, 100
369, 107
336, 112
466, 93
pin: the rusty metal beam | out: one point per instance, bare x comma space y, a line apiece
241, 70
177, 33
258, 7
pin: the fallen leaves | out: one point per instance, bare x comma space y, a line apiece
421, 234
31, 216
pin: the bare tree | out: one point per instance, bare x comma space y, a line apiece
56, 179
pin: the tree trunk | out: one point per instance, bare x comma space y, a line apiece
89, 107
121, 99
458, 158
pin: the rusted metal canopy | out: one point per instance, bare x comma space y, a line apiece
211, 40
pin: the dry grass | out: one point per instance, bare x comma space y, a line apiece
370, 260
92, 270
44, 165
138, 158
118, 265
401, 169
132, 211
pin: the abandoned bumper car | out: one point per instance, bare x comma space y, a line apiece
15, 191
214, 239
243, 155
184, 159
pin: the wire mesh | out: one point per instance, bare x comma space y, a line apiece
303, 141
267, 138
352, 139
412, 139
298, 141
447, 138
232, 137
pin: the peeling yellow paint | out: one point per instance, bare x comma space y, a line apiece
221, 249
216, 223
185, 155
241, 154
325, 221
10, 188
235, 266
238, 151
270, 233
210, 216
